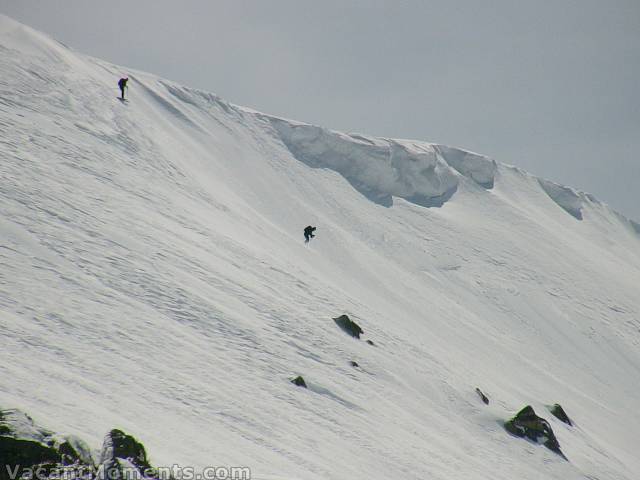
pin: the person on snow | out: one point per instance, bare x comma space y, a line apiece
308, 233
122, 83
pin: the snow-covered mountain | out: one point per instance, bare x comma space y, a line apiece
154, 277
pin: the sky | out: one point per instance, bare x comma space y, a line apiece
550, 86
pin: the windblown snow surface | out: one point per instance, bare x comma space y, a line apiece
153, 277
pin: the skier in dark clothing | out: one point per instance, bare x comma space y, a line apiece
308, 233
122, 83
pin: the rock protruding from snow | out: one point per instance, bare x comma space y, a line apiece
482, 396
558, 412
24, 445
123, 457
348, 326
419, 172
299, 382
527, 424
30, 450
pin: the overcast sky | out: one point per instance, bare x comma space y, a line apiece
551, 86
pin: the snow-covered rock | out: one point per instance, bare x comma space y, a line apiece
123, 457
26, 448
529, 425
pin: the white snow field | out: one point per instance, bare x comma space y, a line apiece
154, 278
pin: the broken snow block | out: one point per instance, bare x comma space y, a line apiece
348, 326
370, 342
482, 396
558, 412
527, 424
354, 364
299, 382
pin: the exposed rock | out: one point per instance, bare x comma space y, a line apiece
123, 457
24, 446
27, 449
354, 364
24, 454
558, 412
527, 424
73, 450
482, 396
370, 342
299, 381
349, 326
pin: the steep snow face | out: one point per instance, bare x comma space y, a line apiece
381, 169
479, 168
567, 198
153, 277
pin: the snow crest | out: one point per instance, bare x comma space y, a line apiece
567, 198
422, 173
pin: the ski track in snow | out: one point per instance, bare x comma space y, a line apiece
153, 277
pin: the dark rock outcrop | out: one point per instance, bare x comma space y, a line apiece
558, 412
528, 425
482, 396
299, 382
370, 342
123, 457
74, 451
354, 363
26, 446
27, 449
349, 326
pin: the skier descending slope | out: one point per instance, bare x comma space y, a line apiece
308, 233
122, 83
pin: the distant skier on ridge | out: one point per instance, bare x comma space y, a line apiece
308, 233
122, 83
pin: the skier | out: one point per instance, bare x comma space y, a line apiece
122, 83
308, 233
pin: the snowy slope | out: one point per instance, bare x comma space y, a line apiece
153, 277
